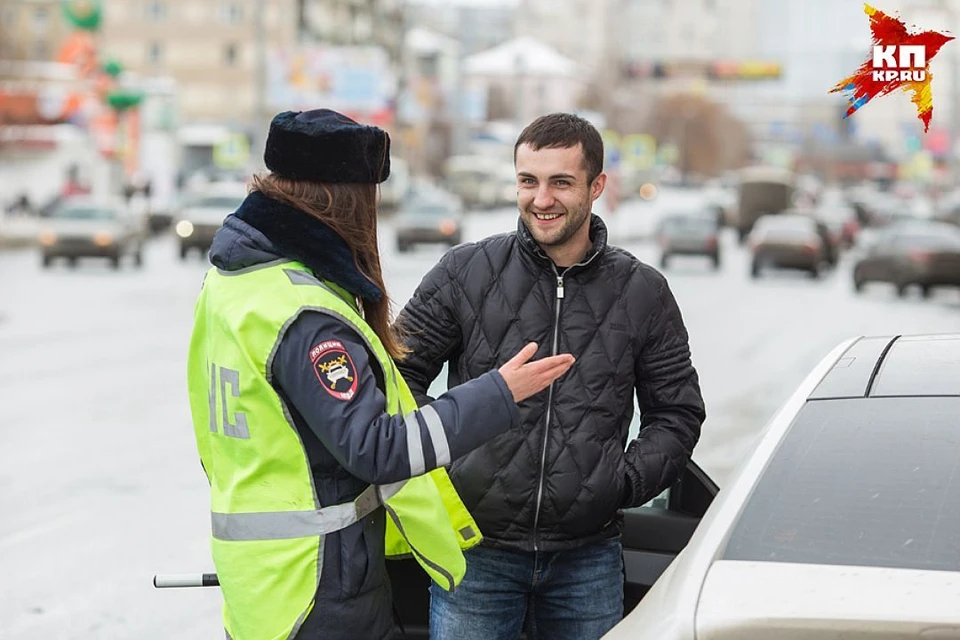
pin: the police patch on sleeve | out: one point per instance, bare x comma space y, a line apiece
335, 369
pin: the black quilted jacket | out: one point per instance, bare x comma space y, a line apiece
559, 481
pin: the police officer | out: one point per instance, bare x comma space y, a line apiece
320, 464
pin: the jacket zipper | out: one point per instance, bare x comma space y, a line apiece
546, 428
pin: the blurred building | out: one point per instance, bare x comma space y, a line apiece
524, 78
353, 23
209, 47
30, 29
476, 27
580, 30
426, 116
707, 48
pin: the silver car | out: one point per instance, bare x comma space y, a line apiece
92, 227
203, 212
843, 522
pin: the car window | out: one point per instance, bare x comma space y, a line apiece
926, 241
785, 222
696, 224
85, 213
787, 234
429, 209
217, 202
861, 482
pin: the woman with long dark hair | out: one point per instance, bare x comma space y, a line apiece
320, 463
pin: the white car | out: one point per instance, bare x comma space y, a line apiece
202, 214
843, 522
95, 227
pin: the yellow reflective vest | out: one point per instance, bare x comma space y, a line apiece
268, 525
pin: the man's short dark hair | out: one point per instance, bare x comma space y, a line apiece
562, 131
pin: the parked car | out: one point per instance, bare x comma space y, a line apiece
787, 241
202, 214
926, 254
691, 234
841, 522
88, 226
429, 218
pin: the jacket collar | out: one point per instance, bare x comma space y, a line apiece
598, 235
303, 238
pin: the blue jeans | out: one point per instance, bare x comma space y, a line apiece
562, 595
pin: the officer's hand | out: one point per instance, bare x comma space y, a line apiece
527, 378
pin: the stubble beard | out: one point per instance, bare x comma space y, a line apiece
573, 221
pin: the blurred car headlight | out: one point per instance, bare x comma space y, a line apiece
102, 239
184, 228
47, 238
448, 227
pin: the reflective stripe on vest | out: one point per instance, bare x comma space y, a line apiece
283, 525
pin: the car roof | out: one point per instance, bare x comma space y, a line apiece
690, 214
787, 216
219, 190
891, 366
89, 201
922, 226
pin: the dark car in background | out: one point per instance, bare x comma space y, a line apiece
429, 217
787, 241
90, 227
689, 234
924, 254
202, 214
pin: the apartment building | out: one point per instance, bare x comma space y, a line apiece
208, 47
581, 30
31, 29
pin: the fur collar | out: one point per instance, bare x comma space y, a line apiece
301, 237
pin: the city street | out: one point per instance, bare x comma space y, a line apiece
99, 476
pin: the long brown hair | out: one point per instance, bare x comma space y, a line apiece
350, 210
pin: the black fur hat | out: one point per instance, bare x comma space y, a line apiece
326, 146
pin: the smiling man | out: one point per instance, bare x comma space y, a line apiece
547, 497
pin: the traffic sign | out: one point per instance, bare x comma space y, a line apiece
639, 151
232, 153
611, 148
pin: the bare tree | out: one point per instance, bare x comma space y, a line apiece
709, 138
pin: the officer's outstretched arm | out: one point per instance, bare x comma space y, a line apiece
324, 368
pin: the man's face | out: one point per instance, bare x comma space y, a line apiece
553, 195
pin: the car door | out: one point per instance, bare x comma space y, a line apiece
653, 535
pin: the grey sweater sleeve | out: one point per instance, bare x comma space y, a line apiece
327, 372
